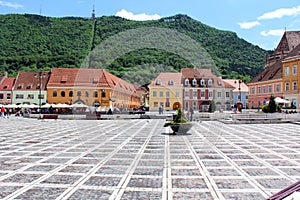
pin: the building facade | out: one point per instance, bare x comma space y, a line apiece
92, 87
291, 77
240, 92
270, 80
6, 86
166, 92
30, 88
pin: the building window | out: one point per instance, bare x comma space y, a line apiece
19, 96
210, 94
202, 94
186, 94
8, 96
167, 94
186, 82
294, 69
161, 94
258, 90
95, 94
158, 82
269, 88
30, 96
227, 94
194, 82
219, 95
287, 71
209, 83
70, 93
177, 94
155, 104
264, 89
294, 85
79, 93
1, 96
171, 82
87, 94
287, 86
103, 94
54, 93
154, 94
277, 88
202, 82
62, 94
252, 90
195, 93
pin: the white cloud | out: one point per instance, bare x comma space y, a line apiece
248, 25
279, 13
11, 5
138, 17
278, 32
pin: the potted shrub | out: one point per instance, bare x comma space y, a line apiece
180, 124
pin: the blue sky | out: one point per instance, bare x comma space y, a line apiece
259, 22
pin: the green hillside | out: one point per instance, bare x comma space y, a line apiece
28, 42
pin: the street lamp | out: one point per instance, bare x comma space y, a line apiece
40, 93
240, 94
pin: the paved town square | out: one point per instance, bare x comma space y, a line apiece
136, 159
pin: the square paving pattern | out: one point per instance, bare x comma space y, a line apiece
136, 159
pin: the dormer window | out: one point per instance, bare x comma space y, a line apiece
209, 82
28, 87
202, 82
194, 82
95, 80
5, 87
171, 82
38, 86
19, 87
64, 79
158, 82
186, 82
219, 83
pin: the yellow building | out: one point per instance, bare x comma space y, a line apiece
92, 87
166, 92
291, 77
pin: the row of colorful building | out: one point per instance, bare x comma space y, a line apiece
190, 88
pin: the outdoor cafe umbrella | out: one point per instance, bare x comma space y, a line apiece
79, 105
60, 105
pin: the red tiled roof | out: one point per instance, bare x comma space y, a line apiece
203, 73
168, 79
288, 42
235, 83
88, 77
31, 81
7, 84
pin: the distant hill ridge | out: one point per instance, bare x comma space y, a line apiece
28, 42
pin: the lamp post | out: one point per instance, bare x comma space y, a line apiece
239, 88
40, 94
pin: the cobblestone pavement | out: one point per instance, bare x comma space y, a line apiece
135, 159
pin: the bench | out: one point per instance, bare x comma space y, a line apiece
50, 116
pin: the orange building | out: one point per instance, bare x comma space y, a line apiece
291, 77
92, 87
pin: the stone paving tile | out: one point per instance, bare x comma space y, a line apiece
132, 159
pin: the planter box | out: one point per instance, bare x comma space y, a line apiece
181, 128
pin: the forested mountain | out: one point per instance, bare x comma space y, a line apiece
28, 42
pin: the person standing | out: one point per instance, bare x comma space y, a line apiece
3, 111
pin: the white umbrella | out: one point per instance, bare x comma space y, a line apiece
47, 105
60, 105
29, 106
11, 106
280, 100
79, 105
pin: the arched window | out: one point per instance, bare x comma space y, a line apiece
202, 82
95, 94
62, 94
87, 94
209, 82
79, 93
103, 94
71, 94
158, 82
186, 82
194, 82
54, 93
